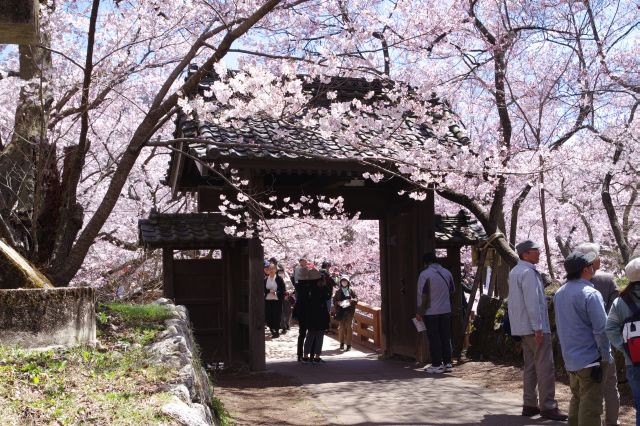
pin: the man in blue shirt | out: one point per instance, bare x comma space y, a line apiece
581, 320
529, 317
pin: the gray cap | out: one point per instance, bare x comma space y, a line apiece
576, 261
526, 245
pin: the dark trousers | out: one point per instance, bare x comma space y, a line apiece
302, 327
439, 335
286, 314
313, 344
272, 313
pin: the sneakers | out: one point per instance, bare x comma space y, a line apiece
341, 346
439, 369
448, 368
306, 360
318, 360
348, 348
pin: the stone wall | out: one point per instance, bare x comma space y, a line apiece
36, 318
192, 390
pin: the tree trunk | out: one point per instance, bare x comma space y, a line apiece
513, 228
17, 160
607, 201
545, 228
160, 107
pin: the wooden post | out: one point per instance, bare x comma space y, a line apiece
256, 306
384, 287
167, 272
457, 317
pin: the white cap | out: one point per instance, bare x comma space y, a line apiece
633, 270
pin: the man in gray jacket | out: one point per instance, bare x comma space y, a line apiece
529, 318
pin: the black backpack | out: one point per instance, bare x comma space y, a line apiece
505, 327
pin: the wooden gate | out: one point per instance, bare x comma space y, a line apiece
200, 285
405, 235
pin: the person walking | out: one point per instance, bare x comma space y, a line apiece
529, 319
437, 287
345, 301
274, 289
581, 320
606, 285
318, 319
302, 282
626, 307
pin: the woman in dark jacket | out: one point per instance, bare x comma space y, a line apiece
274, 289
345, 301
318, 320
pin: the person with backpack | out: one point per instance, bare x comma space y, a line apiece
623, 318
580, 321
437, 287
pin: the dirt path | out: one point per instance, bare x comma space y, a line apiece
277, 398
509, 379
268, 398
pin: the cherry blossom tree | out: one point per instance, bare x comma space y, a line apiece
543, 96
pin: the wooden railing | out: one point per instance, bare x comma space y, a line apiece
366, 325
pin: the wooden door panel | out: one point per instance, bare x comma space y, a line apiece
402, 274
199, 285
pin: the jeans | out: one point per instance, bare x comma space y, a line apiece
439, 335
633, 376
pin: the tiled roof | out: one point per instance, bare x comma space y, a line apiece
206, 230
183, 231
460, 229
262, 137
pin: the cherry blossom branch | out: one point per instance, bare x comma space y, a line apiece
603, 60
159, 108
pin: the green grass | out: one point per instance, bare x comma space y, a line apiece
136, 324
135, 314
221, 412
113, 384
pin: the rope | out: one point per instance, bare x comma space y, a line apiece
492, 238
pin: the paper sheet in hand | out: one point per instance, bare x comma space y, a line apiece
420, 327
